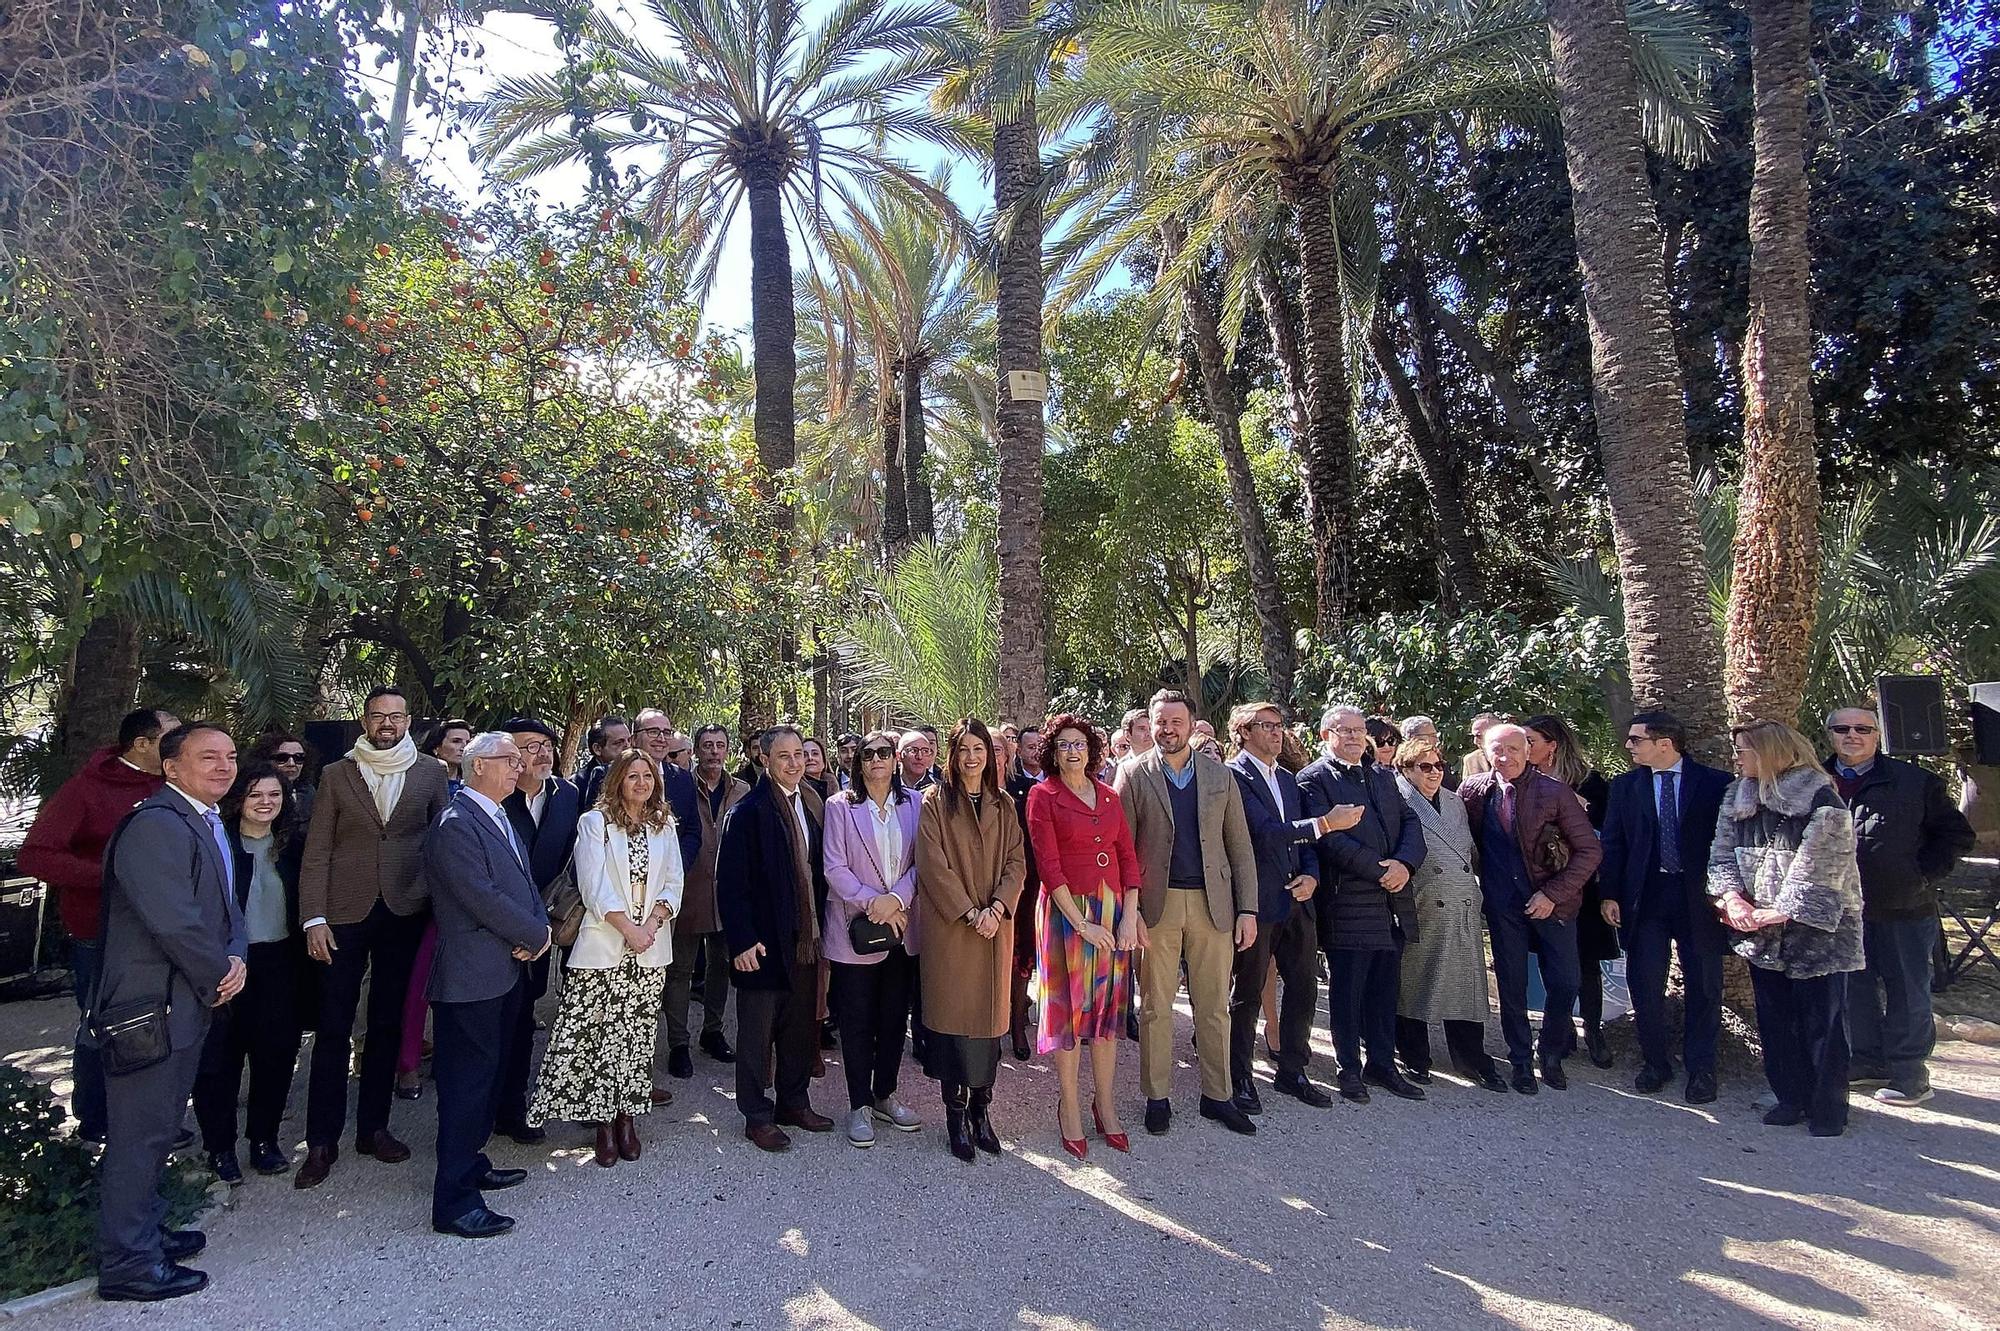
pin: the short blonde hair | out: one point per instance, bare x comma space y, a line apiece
1410, 750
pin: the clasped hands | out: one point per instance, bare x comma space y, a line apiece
1746, 918
1130, 935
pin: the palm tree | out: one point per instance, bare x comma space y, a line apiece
1675, 655
927, 643
1767, 641
748, 107
1233, 105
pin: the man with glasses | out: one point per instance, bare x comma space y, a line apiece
1287, 929
698, 943
1658, 823
1907, 834
542, 809
656, 735
363, 905
917, 752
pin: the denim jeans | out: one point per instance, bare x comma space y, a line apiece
1889, 1004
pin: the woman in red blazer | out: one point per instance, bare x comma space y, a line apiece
1089, 924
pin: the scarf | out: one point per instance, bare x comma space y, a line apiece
806, 905
382, 770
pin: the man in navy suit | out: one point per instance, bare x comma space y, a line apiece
1657, 829
1287, 874
491, 925
173, 937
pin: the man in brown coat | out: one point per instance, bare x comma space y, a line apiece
1198, 897
1536, 851
698, 928
363, 906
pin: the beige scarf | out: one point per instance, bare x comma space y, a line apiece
382, 771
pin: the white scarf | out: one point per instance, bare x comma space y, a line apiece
382, 770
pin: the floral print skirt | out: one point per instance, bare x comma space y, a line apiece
1085, 991
599, 1062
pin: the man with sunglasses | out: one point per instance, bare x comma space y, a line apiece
1658, 822
1907, 834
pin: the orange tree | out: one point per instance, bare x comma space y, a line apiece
536, 494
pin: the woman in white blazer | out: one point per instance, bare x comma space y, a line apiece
599, 1064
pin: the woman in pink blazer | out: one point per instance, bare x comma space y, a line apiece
870, 840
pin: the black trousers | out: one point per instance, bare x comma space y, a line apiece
1293, 943
1803, 1027
1464, 1041
142, 1117
1648, 944
871, 1003
468, 1041
1362, 989
778, 1026
86, 958
1513, 935
382, 947
511, 1110
260, 1027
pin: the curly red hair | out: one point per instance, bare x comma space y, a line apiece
1055, 725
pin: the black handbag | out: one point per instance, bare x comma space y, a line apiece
865, 936
132, 1036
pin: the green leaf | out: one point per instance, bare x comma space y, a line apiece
237, 60
281, 262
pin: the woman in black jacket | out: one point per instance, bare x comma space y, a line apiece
262, 1025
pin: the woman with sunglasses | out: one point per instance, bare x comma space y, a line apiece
293, 758
1383, 737
446, 742
1444, 966
870, 856
1553, 748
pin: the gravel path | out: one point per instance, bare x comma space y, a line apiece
1596, 1209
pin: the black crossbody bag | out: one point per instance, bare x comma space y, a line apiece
129, 1037
866, 937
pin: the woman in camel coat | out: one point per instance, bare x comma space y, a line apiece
970, 869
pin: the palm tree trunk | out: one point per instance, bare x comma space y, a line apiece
406, 77
1017, 169
1670, 640
1284, 329
1458, 583
895, 494
103, 686
1774, 589
773, 333
916, 472
1267, 593
1328, 444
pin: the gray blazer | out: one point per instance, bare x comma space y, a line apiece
1228, 856
170, 926
486, 906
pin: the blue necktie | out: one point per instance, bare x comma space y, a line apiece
214, 821
1849, 773
1670, 826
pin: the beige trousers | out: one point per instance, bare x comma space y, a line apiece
1185, 931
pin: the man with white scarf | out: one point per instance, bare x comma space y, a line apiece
363, 907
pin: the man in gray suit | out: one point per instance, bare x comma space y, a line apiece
490, 924
1198, 897
172, 935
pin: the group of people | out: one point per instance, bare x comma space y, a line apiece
912, 887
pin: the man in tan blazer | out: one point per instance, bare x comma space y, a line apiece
363, 906
1198, 896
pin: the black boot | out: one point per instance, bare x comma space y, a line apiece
983, 1135
956, 1103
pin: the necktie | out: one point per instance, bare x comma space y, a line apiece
214, 821
1849, 773
1507, 806
1670, 825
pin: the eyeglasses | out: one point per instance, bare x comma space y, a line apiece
1852, 730
510, 759
536, 746
1264, 725
1351, 732
1638, 739
1073, 745
288, 759
398, 717
1427, 767
656, 732
877, 753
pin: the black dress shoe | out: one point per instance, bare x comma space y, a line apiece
680, 1063
1650, 1080
165, 1281
225, 1166
1159, 1117
1553, 1074
1395, 1083
1783, 1116
493, 1180
1701, 1088
266, 1158
1302, 1090
1525, 1083
1421, 1076
478, 1223
1246, 1098
1491, 1080
1598, 1047
177, 1245
1351, 1087
717, 1048
523, 1135
1229, 1114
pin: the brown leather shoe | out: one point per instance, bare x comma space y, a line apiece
318, 1164
804, 1119
607, 1145
383, 1147
767, 1137
628, 1137
662, 1096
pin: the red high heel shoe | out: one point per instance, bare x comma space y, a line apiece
1077, 1148
1117, 1141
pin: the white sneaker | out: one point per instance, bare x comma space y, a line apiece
898, 1115
859, 1130
1891, 1095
